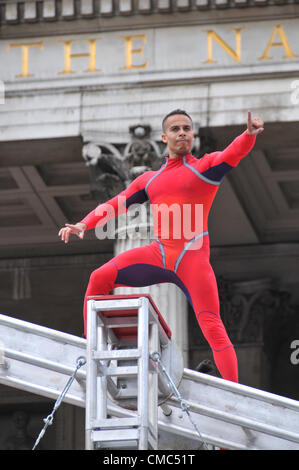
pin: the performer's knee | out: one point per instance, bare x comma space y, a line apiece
101, 280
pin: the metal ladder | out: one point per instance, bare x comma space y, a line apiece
140, 432
230, 415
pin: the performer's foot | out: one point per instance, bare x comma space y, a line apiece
206, 367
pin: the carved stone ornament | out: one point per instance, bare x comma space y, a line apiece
111, 170
141, 154
108, 173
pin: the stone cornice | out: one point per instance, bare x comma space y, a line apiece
28, 18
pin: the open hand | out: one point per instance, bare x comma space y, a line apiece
255, 125
77, 229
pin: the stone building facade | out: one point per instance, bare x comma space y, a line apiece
87, 80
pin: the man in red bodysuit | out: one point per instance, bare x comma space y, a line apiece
187, 183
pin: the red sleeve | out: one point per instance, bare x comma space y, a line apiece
233, 153
214, 166
135, 193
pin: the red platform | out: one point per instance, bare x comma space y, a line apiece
129, 331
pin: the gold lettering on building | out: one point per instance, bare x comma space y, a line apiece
135, 50
130, 51
278, 30
212, 35
25, 56
68, 56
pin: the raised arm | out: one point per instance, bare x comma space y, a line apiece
217, 164
135, 193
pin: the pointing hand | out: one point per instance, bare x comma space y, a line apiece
255, 126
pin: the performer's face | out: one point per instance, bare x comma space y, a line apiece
178, 135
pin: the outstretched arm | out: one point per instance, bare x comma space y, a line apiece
133, 194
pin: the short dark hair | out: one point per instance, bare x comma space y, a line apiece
172, 113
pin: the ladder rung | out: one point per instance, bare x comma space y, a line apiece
120, 371
120, 322
115, 435
119, 445
115, 423
117, 354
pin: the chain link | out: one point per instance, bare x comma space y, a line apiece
156, 357
49, 420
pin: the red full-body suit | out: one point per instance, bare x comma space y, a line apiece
180, 254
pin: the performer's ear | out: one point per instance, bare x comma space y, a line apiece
164, 138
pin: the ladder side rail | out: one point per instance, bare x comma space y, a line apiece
241, 389
143, 370
43, 331
101, 390
91, 374
230, 418
246, 403
153, 384
45, 391
188, 433
42, 362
